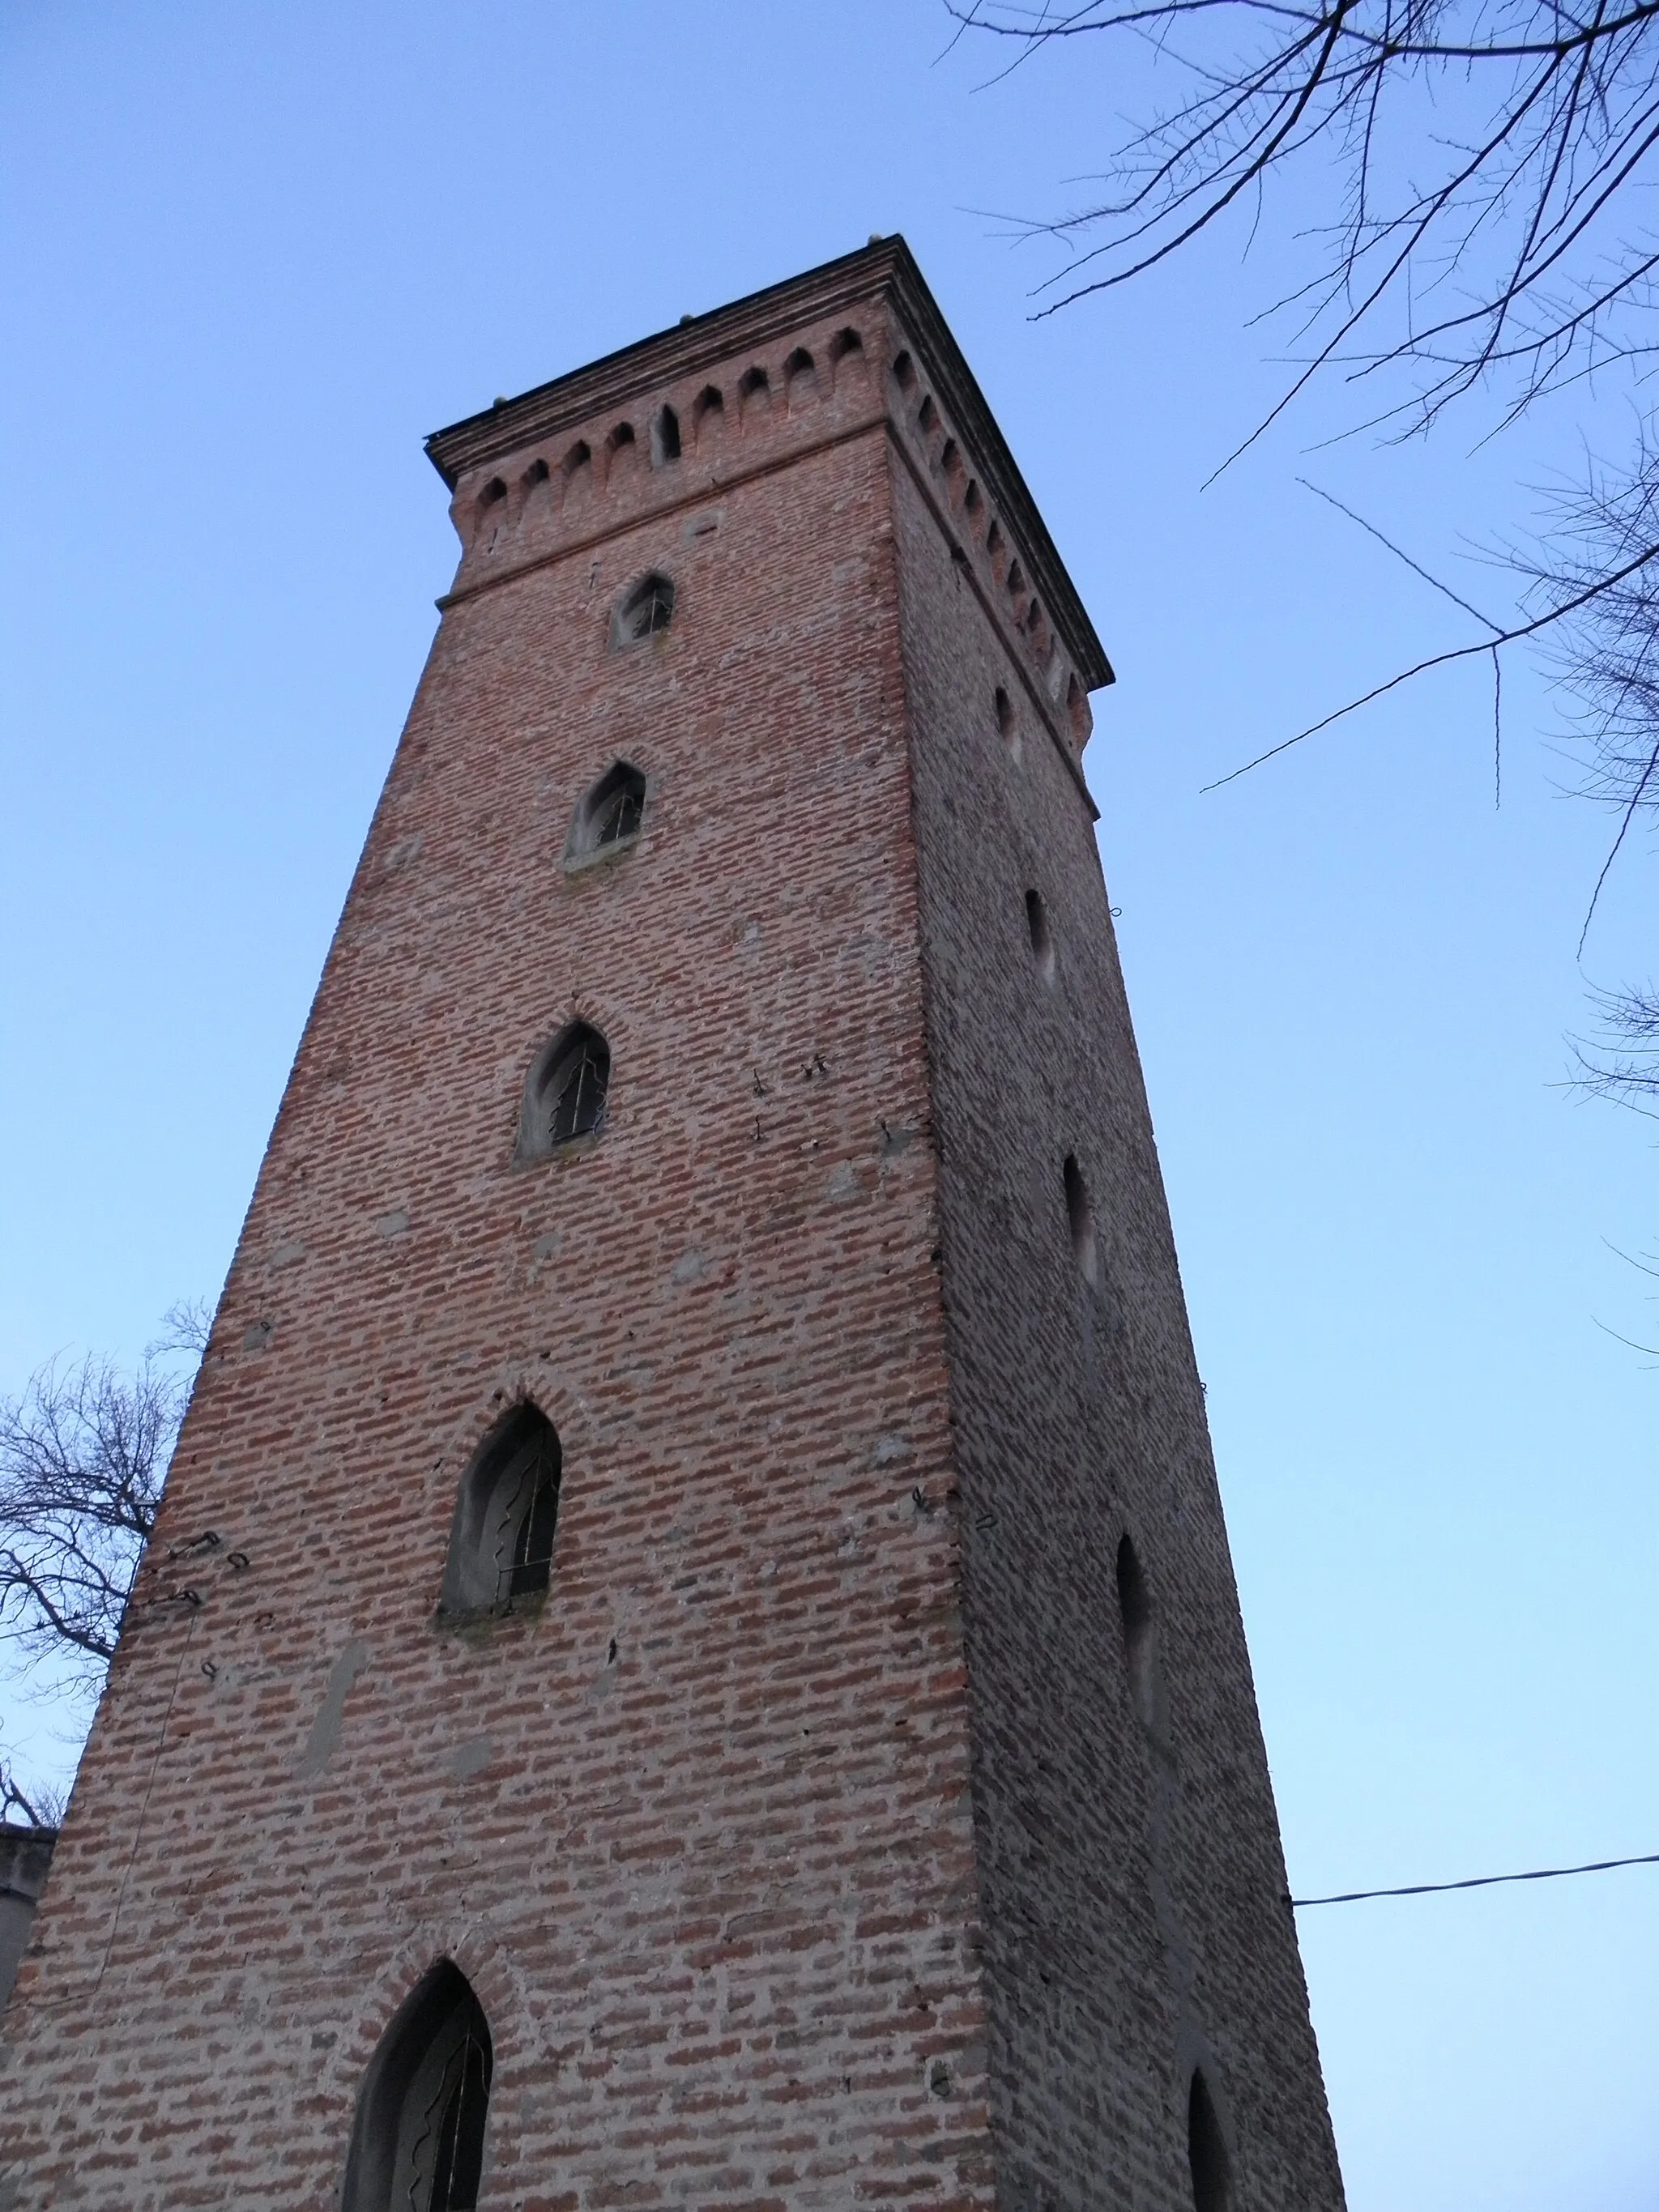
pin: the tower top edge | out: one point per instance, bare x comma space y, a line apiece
884, 271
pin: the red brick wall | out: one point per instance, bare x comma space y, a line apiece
709, 1829
1132, 1890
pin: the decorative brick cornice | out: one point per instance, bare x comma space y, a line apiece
885, 271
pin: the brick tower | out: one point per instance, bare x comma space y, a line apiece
689, 1658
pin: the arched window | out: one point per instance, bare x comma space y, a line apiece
610, 815
1081, 1217
754, 392
1140, 1620
417, 2144
1207, 2150
500, 1545
649, 608
565, 1096
664, 437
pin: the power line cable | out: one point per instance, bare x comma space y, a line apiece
1475, 1881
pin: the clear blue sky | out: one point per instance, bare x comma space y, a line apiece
251, 254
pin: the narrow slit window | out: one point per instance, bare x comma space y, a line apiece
1207, 2150
1139, 1618
569, 1089
1007, 720
1043, 940
417, 2144
1080, 1215
506, 1512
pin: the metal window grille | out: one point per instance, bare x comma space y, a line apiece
652, 610
618, 815
457, 2112
526, 1520
579, 1095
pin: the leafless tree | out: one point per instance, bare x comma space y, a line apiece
40, 1807
1606, 655
83, 1455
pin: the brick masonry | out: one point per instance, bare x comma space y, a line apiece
803, 1846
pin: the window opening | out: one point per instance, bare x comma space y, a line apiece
578, 1105
417, 2144
1007, 721
1081, 1216
1043, 942
649, 608
1206, 2150
619, 816
754, 392
609, 817
1139, 1619
566, 1095
506, 1512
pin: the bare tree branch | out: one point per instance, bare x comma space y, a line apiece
83, 1455
1522, 233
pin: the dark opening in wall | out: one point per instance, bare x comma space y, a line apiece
1207, 2150
1043, 942
565, 1096
644, 611
1081, 1216
754, 392
506, 1511
904, 371
417, 2142
1007, 720
1139, 1619
610, 815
